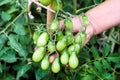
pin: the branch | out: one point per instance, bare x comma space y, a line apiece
39, 4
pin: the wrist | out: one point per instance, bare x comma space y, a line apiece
79, 25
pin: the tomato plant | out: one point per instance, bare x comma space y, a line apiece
22, 28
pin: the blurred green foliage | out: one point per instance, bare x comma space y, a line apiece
99, 59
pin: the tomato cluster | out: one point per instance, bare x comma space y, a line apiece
62, 42
56, 4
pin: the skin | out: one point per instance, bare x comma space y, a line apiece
101, 18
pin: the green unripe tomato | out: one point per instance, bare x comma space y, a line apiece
54, 26
35, 36
71, 49
59, 35
56, 65
64, 58
38, 54
51, 46
43, 39
74, 48
80, 38
45, 2
57, 6
61, 44
77, 48
68, 24
70, 37
45, 62
85, 20
73, 61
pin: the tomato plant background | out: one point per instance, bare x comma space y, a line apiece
99, 59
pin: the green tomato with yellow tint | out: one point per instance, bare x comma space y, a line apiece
56, 65
45, 62
35, 36
59, 35
73, 61
64, 58
70, 37
68, 24
45, 2
57, 6
51, 46
43, 39
61, 44
54, 26
80, 38
39, 54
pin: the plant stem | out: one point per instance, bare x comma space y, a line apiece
75, 4
39, 4
11, 22
82, 9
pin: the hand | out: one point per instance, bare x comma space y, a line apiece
76, 28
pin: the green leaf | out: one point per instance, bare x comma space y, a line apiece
2, 40
108, 76
21, 20
97, 1
1, 68
23, 70
87, 77
106, 49
19, 29
24, 40
95, 52
106, 64
117, 65
3, 2
12, 9
17, 46
5, 16
114, 58
9, 57
98, 66
3, 51
39, 74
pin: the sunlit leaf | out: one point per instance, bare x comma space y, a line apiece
9, 57
19, 29
12, 10
17, 46
3, 38
3, 51
3, 2
5, 16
